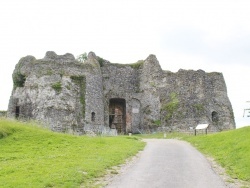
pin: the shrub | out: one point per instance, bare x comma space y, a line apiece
82, 57
18, 79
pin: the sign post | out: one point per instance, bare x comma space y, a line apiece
201, 127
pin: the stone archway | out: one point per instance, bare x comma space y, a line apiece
117, 114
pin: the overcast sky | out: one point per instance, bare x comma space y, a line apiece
213, 35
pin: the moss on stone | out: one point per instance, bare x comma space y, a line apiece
137, 65
157, 123
49, 72
100, 61
172, 107
57, 86
199, 107
81, 81
152, 84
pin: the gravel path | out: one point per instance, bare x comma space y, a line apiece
168, 163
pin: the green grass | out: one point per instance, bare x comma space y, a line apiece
34, 157
173, 135
231, 149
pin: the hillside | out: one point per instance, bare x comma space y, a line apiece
34, 157
231, 149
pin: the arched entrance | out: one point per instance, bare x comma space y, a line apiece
117, 114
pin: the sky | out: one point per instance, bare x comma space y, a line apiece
212, 35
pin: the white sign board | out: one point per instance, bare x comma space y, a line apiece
202, 126
135, 110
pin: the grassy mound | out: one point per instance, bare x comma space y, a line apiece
231, 149
34, 157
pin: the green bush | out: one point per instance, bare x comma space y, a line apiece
82, 57
18, 79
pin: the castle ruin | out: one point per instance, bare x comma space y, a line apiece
96, 95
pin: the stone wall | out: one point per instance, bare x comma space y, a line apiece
200, 94
121, 81
51, 92
94, 110
71, 96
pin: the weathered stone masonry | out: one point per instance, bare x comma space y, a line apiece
70, 96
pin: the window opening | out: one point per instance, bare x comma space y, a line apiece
215, 117
93, 116
17, 112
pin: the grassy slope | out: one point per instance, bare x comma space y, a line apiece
34, 157
231, 149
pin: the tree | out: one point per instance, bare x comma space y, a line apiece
171, 109
82, 57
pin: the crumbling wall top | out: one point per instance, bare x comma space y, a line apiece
52, 56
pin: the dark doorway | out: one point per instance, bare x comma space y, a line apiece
117, 114
17, 112
215, 117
